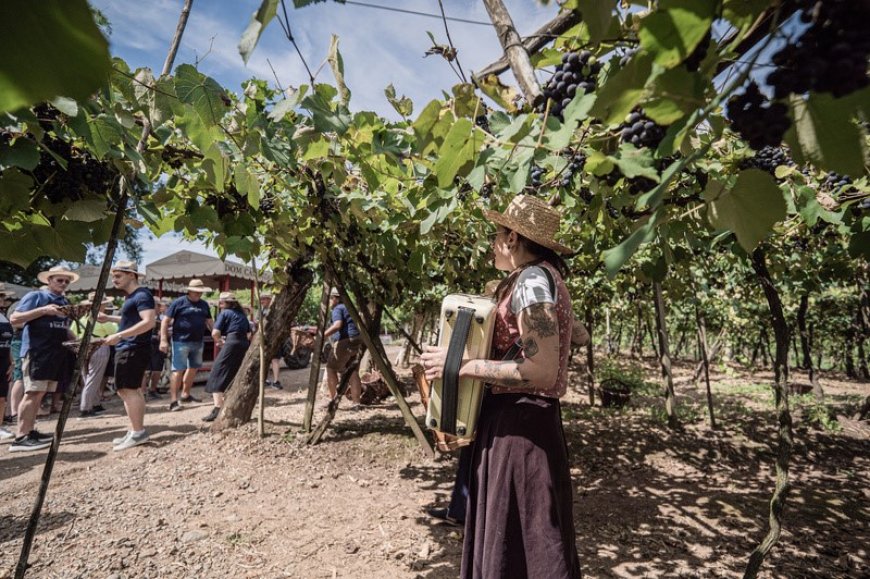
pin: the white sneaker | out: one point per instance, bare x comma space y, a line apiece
131, 440
117, 441
5, 434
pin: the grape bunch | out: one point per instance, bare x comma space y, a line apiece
84, 174
267, 205
482, 121
577, 72
835, 182
694, 60
767, 159
641, 131
832, 53
759, 121
640, 185
536, 174
577, 161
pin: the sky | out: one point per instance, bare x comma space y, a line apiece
379, 48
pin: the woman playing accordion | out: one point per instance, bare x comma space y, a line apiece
519, 520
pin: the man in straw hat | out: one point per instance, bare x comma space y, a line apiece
189, 316
89, 405
519, 518
132, 344
6, 362
46, 328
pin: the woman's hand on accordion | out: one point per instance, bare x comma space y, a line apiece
433, 359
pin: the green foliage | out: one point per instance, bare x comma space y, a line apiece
627, 372
48, 49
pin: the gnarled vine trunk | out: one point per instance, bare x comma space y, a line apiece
665, 357
806, 339
780, 371
241, 396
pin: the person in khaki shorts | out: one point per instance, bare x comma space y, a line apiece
346, 343
46, 327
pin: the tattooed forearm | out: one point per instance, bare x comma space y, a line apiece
502, 373
541, 320
530, 347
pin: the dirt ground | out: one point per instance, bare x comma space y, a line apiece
648, 502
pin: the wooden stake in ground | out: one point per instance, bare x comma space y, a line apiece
702, 345
332, 408
314, 373
384, 368
515, 52
124, 195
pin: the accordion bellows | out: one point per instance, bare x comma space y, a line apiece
467, 324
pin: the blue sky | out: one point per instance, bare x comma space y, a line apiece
379, 47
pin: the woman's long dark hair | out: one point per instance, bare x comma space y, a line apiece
234, 305
541, 254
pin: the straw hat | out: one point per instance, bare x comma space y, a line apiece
127, 267
58, 271
228, 297
533, 219
90, 301
197, 286
333, 293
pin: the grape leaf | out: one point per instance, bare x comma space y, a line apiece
403, 105
49, 48
597, 14
337, 65
824, 135
86, 210
15, 189
672, 31
750, 208
259, 20
453, 153
622, 91
23, 153
615, 257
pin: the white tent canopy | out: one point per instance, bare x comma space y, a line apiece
218, 274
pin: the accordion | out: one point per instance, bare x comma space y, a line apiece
467, 324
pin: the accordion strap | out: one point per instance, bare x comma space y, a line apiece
455, 351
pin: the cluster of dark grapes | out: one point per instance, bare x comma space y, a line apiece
267, 205
577, 72
640, 185
482, 121
694, 60
830, 56
536, 174
641, 131
759, 121
576, 163
83, 174
767, 159
835, 182
229, 203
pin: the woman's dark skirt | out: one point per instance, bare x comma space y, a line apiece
227, 364
520, 520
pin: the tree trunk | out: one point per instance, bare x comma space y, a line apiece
515, 52
702, 345
607, 342
780, 370
862, 360
618, 341
590, 358
637, 336
665, 357
415, 334
652, 336
681, 341
848, 359
242, 393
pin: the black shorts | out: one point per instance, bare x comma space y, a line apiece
4, 383
130, 366
155, 363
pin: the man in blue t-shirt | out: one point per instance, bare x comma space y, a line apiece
132, 349
46, 328
189, 316
346, 344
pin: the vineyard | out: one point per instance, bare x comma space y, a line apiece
709, 159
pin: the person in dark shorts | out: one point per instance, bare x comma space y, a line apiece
189, 316
132, 349
346, 344
158, 358
6, 364
233, 328
46, 328
519, 520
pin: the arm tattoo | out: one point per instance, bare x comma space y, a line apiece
542, 320
530, 347
500, 373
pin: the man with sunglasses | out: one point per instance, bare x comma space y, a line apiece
46, 328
